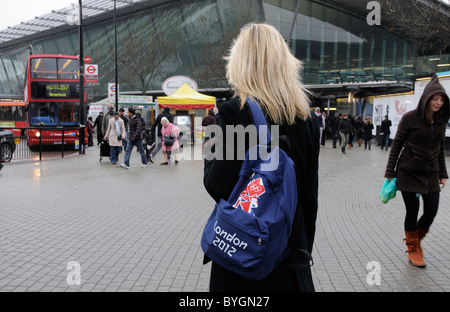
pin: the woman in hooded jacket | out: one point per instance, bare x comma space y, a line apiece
417, 160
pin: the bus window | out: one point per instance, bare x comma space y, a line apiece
43, 68
6, 113
68, 69
12, 113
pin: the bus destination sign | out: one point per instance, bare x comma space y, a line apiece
55, 90
60, 90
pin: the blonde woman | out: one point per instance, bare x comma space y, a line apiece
261, 67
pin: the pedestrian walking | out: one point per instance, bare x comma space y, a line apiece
107, 118
169, 132
385, 131
157, 126
359, 129
98, 124
209, 120
125, 121
367, 133
216, 114
285, 103
321, 123
115, 133
134, 139
90, 130
324, 130
344, 129
334, 123
351, 134
417, 160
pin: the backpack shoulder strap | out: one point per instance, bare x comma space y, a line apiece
259, 120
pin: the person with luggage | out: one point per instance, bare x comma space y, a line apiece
284, 101
115, 133
98, 124
134, 139
107, 118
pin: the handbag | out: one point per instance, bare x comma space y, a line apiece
388, 190
168, 140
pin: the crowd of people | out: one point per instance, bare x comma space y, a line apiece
123, 132
347, 130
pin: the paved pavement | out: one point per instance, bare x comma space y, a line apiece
139, 229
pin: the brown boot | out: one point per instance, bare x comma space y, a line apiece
359, 142
421, 232
412, 242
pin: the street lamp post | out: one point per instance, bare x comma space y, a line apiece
82, 130
116, 78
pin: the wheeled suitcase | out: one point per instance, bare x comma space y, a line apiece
104, 149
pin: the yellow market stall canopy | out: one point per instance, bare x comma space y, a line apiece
186, 98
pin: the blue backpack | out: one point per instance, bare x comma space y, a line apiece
249, 233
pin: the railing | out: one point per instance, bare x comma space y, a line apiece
39, 143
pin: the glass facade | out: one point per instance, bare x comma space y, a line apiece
191, 37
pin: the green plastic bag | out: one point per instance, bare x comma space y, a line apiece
388, 190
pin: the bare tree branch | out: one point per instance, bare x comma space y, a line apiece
424, 22
142, 60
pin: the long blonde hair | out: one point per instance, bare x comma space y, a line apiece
261, 66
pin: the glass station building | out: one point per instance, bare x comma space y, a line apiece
342, 53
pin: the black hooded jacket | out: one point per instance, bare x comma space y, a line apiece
417, 156
165, 113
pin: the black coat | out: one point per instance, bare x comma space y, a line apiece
165, 113
386, 126
368, 131
345, 126
220, 176
334, 124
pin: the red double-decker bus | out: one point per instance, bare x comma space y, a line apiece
52, 101
52, 91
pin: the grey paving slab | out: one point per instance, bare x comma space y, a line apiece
139, 229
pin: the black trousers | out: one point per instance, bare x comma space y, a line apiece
412, 203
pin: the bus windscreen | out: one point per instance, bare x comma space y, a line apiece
54, 68
54, 113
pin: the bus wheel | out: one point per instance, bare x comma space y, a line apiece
6, 152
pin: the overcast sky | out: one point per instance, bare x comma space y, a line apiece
13, 12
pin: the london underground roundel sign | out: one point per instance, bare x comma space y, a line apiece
172, 84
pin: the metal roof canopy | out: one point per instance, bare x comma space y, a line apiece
56, 20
